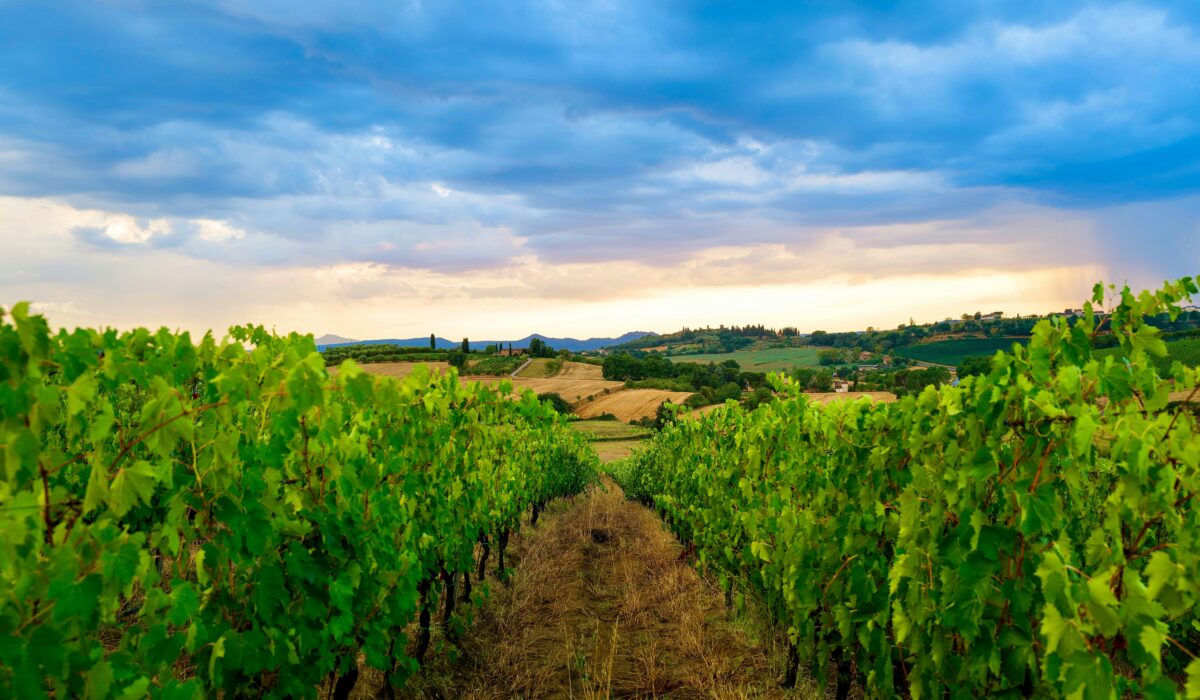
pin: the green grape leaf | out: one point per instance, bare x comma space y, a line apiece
132, 484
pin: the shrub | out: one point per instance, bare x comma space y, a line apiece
558, 403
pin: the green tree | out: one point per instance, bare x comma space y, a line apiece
822, 381
558, 403
831, 357
540, 348
758, 397
432, 342
664, 415
972, 366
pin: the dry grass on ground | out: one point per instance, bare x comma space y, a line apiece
559, 369
540, 368
602, 604
572, 390
630, 404
612, 450
697, 412
601, 430
545, 368
580, 370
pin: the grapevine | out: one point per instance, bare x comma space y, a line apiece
179, 518
1031, 531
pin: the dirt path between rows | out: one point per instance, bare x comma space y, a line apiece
600, 605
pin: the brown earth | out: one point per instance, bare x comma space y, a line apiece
630, 404
604, 604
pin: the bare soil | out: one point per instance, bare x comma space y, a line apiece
603, 603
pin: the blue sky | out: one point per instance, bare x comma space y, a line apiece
566, 167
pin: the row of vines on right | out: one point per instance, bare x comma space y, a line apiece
1033, 531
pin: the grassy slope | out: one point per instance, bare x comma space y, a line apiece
1186, 351
769, 360
953, 352
540, 368
496, 365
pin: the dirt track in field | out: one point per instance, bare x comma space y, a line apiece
604, 604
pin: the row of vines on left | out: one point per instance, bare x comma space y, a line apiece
182, 518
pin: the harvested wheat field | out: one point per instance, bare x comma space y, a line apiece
572, 390
630, 404
543, 368
579, 370
397, 369
702, 410
605, 604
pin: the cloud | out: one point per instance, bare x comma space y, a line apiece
534, 146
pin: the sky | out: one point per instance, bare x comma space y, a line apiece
391, 169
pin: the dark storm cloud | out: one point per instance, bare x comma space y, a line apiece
454, 135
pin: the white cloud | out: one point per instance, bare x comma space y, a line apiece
1027, 258
217, 231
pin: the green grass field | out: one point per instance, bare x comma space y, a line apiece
953, 352
1186, 351
769, 360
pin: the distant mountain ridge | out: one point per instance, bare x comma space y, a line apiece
572, 344
331, 339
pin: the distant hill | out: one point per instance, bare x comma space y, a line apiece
713, 340
331, 339
572, 344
